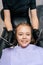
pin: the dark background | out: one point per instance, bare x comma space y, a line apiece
39, 4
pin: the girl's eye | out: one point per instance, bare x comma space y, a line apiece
28, 34
20, 34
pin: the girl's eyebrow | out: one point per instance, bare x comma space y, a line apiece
23, 32
20, 32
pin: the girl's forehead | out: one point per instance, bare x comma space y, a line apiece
23, 28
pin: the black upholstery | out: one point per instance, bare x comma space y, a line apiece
40, 16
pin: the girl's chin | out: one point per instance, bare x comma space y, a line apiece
24, 46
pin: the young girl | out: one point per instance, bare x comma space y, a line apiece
24, 53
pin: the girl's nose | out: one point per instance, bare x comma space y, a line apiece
24, 36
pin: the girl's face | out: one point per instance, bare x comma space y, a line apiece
23, 35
